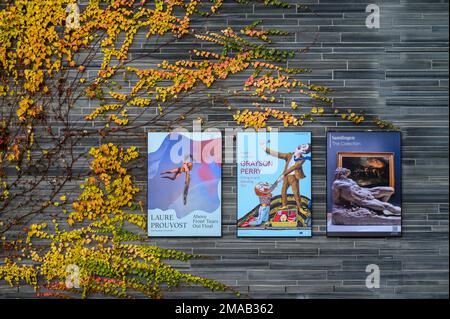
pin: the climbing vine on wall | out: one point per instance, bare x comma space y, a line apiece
102, 257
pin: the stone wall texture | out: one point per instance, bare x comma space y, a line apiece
398, 72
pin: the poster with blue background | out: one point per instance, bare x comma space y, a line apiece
184, 184
274, 184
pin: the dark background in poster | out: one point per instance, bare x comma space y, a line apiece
379, 176
399, 72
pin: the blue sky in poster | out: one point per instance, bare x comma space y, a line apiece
249, 148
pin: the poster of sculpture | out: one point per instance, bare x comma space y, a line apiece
274, 184
364, 184
184, 184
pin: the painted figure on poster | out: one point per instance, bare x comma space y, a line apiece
185, 168
293, 170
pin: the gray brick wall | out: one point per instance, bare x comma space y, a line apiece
400, 73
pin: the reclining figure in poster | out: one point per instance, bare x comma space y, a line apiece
356, 205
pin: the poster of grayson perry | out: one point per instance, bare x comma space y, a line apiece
364, 184
274, 184
184, 184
